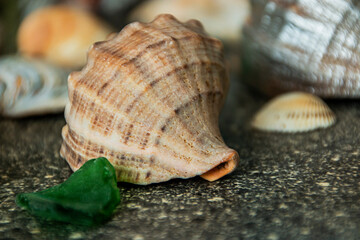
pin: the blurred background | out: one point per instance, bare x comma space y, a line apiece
222, 19
42, 41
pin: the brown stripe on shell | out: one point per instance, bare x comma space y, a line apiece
108, 83
203, 41
154, 90
92, 150
191, 72
182, 78
128, 133
172, 72
204, 63
177, 111
145, 140
130, 106
126, 138
76, 146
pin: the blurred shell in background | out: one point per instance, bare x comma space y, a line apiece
223, 19
294, 112
31, 87
61, 35
306, 45
149, 101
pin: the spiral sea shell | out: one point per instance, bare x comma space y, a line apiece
149, 101
31, 87
294, 112
60, 34
306, 45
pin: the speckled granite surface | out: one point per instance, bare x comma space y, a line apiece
290, 186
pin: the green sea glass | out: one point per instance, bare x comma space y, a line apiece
87, 197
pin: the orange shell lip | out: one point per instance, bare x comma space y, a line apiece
225, 167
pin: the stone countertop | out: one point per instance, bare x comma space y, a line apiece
289, 186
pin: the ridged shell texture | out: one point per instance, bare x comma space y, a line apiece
149, 100
294, 112
306, 45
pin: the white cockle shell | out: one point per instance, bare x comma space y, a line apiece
149, 100
294, 112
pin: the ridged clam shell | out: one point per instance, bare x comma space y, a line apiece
31, 87
60, 34
149, 100
294, 112
223, 19
306, 45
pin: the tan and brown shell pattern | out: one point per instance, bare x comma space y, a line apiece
294, 112
149, 100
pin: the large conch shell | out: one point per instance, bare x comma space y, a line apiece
31, 87
61, 35
149, 101
306, 45
222, 19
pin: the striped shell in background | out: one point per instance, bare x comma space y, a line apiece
149, 101
294, 112
31, 87
307, 45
